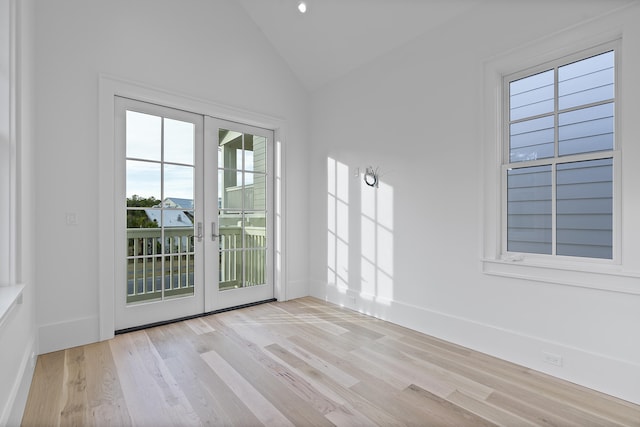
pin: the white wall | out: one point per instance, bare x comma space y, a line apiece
18, 334
207, 49
411, 250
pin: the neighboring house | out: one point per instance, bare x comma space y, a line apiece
174, 202
173, 218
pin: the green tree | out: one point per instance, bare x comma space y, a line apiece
137, 218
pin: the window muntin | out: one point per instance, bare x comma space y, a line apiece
559, 159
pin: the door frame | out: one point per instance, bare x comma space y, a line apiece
109, 87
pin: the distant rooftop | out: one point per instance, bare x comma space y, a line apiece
175, 202
171, 218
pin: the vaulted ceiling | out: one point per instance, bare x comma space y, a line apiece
337, 36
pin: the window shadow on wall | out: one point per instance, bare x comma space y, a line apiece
367, 249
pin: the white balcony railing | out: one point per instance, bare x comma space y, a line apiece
152, 265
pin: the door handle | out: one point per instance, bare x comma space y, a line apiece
199, 234
214, 236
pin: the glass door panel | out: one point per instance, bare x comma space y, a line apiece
161, 188
242, 211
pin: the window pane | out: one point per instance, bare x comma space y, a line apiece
255, 267
255, 191
230, 143
178, 183
144, 133
143, 218
230, 276
179, 138
586, 81
144, 279
531, 96
585, 209
178, 277
143, 179
529, 222
230, 189
255, 152
180, 223
255, 230
586, 130
532, 139
230, 230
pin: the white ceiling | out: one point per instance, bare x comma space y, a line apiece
337, 36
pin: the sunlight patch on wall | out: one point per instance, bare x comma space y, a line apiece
337, 224
377, 251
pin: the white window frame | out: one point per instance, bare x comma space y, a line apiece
619, 275
557, 160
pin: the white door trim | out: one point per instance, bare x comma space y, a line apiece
109, 87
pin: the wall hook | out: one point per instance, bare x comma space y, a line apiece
371, 177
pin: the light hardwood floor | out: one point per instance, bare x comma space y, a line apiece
299, 363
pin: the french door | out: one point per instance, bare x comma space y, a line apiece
238, 199
194, 214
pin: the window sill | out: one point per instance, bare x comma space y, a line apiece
9, 297
602, 277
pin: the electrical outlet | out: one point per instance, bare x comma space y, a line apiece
33, 360
552, 359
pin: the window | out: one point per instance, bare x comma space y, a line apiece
559, 158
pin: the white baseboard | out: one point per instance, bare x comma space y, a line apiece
11, 412
63, 335
604, 373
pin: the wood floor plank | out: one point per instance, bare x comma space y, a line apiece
259, 405
511, 380
294, 397
199, 326
487, 411
440, 411
301, 362
391, 401
74, 400
148, 387
527, 411
44, 405
212, 400
439, 382
104, 394
352, 406
358, 367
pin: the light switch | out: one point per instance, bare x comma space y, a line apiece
71, 218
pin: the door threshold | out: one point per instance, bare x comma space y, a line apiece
195, 316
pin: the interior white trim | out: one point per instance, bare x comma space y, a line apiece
9, 297
109, 87
67, 334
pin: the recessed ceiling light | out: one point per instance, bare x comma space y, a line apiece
302, 7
